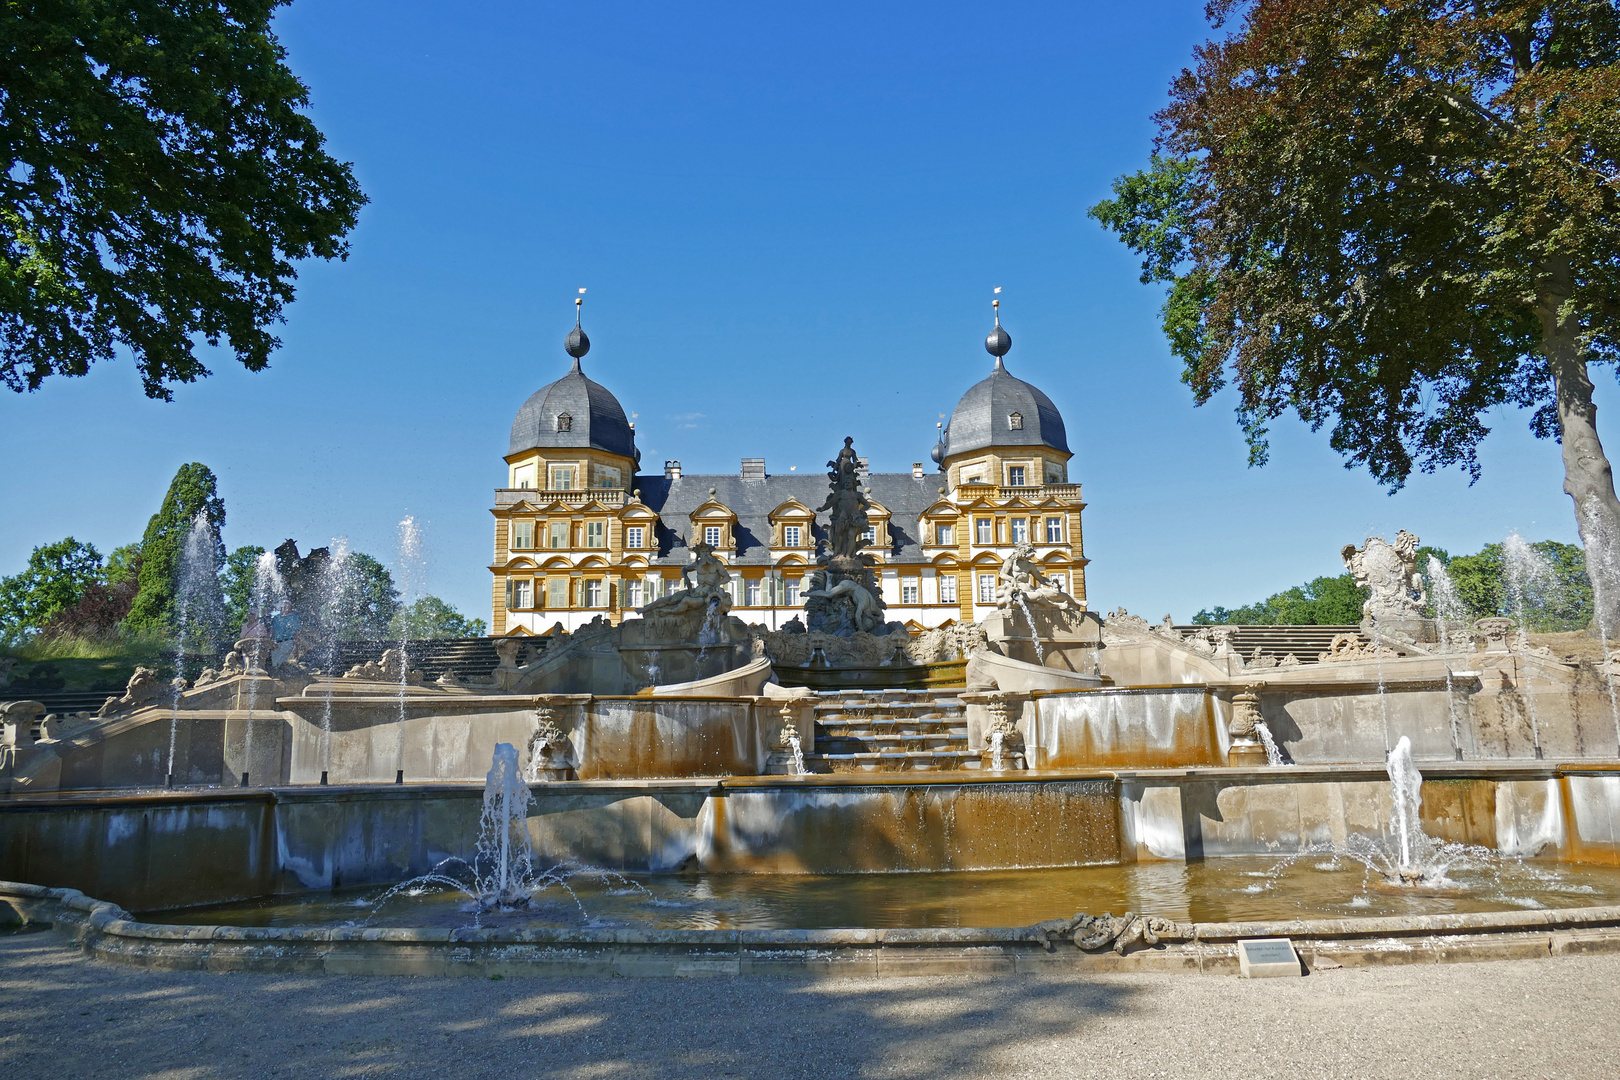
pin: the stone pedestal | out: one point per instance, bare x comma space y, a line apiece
1246, 754
1065, 641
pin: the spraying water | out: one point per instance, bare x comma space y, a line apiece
337, 586
1383, 684
1529, 578
199, 611
504, 850
1406, 795
798, 755
996, 763
1034, 639
502, 875
411, 567
269, 590
1448, 609
1602, 570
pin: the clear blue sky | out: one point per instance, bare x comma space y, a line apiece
790, 218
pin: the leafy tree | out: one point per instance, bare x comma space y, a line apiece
105, 604
193, 491
55, 578
123, 564
1557, 595
1391, 217
163, 179
365, 600
431, 617
236, 581
1323, 601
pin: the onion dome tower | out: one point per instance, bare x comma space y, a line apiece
574, 411
1001, 411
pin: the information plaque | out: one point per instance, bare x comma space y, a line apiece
1268, 958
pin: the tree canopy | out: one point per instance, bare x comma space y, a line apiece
237, 576
430, 618
1392, 217
56, 578
1554, 591
1550, 590
1323, 601
162, 179
365, 602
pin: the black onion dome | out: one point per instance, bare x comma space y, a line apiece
595, 419
576, 343
1003, 411
998, 341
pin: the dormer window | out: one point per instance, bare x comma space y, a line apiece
565, 422
1015, 421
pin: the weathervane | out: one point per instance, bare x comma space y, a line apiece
998, 341
576, 343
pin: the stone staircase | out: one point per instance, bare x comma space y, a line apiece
1304, 642
472, 659
890, 731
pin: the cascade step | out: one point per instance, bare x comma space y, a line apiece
890, 731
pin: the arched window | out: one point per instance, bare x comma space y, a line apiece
1015, 421
564, 422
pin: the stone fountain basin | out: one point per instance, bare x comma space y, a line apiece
107, 932
153, 850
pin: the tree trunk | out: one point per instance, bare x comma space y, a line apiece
1588, 480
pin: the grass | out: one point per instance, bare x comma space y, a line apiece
85, 664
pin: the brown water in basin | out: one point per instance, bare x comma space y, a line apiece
1218, 890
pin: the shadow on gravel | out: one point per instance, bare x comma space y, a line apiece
188, 1024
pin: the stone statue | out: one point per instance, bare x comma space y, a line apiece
143, 689
847, 503
706, 584
841, 597
1021, 583
506, 653
1389, 572
868, 615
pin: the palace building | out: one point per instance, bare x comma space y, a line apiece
582, 533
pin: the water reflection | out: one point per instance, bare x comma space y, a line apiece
1219, 890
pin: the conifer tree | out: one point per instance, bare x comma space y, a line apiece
193, 490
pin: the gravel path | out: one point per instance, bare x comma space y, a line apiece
62, 1015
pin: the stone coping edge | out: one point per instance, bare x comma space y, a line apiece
108, 932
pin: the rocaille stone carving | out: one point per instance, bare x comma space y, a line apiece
1389, 572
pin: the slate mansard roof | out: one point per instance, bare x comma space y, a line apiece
596, 420
982, 418
903, 495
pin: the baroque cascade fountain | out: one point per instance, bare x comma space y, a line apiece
684, 792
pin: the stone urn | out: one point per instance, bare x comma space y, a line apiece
1247, 751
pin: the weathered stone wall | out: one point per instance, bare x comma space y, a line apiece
176, 849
